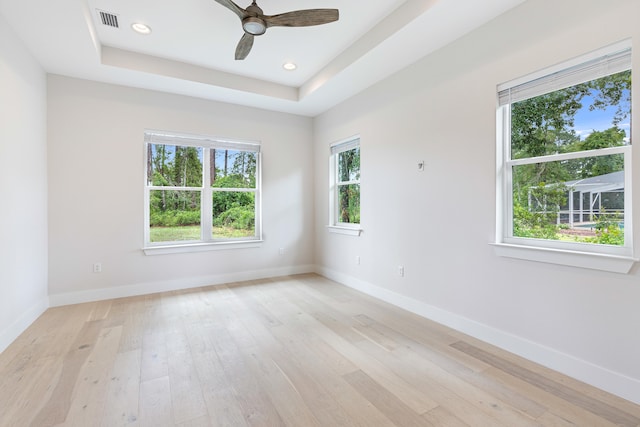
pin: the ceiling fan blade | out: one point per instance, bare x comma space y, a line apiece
244, 46
302, 18
229, 4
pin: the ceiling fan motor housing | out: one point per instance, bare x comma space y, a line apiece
254, 25
255, 22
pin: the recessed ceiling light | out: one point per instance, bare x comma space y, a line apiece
141, 28
289, 66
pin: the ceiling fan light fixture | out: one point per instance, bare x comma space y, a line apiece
255, 22
254, 25
141, 28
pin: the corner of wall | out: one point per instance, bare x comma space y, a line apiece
13, 331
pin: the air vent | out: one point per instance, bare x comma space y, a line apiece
109, 19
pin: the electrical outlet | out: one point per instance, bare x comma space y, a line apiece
421, 165
357, 259
281, 251
97, 267
400, 271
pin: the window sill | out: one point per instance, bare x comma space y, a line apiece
349, 231
602, 262
200, 247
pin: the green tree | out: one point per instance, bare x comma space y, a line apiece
244, 166
613, 90
175, 166
595, 166
187, 167
608, 231
544, 124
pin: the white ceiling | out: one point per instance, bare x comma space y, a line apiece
191, 48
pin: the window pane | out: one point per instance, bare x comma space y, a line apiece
175, 166
579, 200
588, 116
233, 168
234, 214
349, 165
174, 215
349, 204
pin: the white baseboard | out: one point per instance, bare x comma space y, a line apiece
14, 330
613, 382
78, 297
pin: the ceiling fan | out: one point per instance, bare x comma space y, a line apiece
255, 22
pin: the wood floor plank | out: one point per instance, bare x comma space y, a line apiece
318, 381
602, 409
247, 293
121, 404
55, 410
29, 392
155, 403
254, 401
204, 337
549, 419
289, 351
89, 391
441, 417
445, 360
318, 398
556, 405
186, 392
154, 321
203, 421
449, 388
287, 399
219, 395
385, 401
154, 362
100, 310
577, 385
436, 350
50, 335
133, 325
410, 395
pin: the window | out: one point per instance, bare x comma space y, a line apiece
564, 166
345, 186
200, 191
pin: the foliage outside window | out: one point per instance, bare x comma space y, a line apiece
345, 177
566, 157
200, 190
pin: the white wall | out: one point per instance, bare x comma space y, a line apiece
23, 187
96, 178
439, 223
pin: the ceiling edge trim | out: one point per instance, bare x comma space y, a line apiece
93, 34
121, 58
384, 29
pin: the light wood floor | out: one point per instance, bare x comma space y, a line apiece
297, 351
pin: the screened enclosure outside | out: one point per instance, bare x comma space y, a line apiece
586, 210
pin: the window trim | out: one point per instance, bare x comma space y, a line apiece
618, 259
206, 242
336, 148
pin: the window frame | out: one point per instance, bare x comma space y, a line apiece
206, 241
587, 255
335, 226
